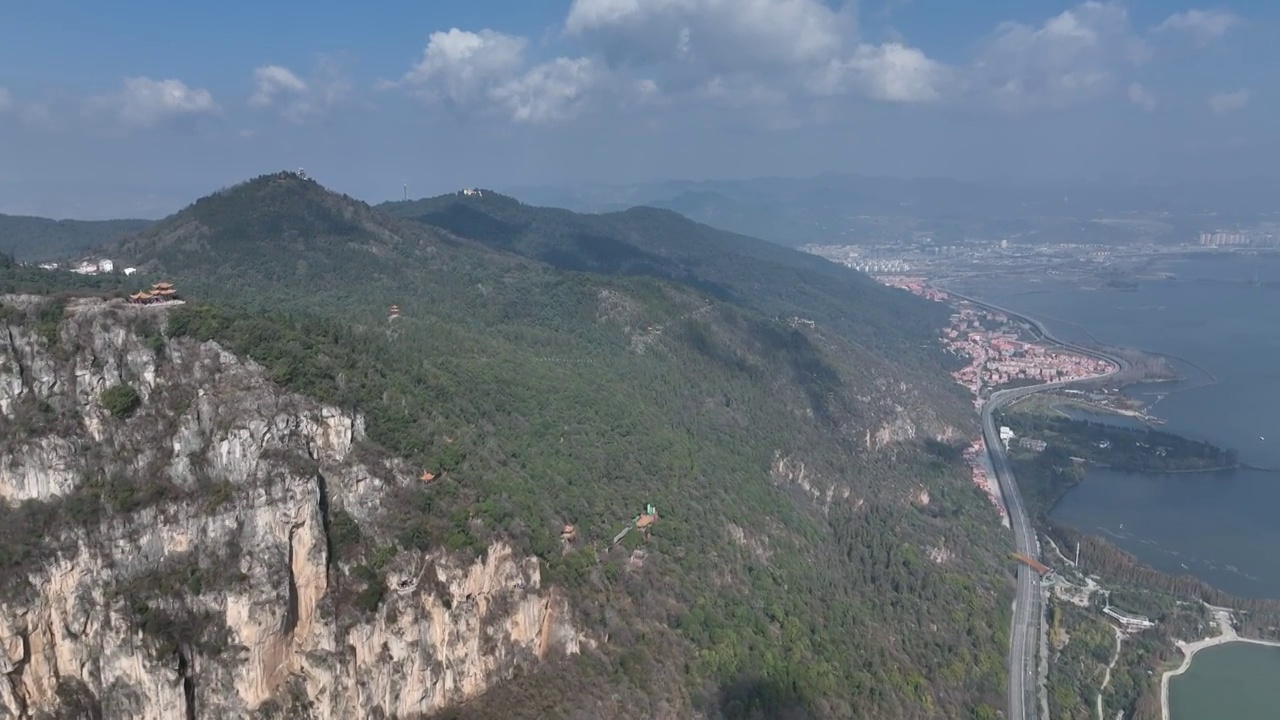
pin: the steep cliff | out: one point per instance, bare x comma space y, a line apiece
167, 542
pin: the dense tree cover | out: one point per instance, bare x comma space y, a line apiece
1081, 646
37, 239
1176, 603
597, 449
1261, 616
1045, 477
1121, 448
1083, 643
542, 396
769, 278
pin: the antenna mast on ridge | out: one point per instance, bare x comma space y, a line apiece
406, 191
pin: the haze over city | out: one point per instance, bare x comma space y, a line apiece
133, 111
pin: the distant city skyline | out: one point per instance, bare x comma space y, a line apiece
137, 110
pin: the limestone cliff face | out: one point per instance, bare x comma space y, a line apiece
206, 588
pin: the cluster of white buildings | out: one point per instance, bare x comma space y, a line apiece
90, 267
1221, 239
873, 266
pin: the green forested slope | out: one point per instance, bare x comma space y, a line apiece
771, 279
37, 239
546, 394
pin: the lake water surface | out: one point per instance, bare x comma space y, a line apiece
1221, 527
1236, 681
1221, 318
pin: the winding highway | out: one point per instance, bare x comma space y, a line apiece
1023, 659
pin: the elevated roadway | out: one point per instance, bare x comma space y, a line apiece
1027, 613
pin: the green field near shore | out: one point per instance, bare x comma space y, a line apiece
1053, 405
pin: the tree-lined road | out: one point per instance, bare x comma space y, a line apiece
1023, 661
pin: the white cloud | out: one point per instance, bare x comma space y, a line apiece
489, 71
767, 54
1228, 102
6, 100
145, 103
297, 99
1142, 97
1074, 56
646, 90
744, 53
724, 36
549, 92
273, 81
1203, 26
653, 53
462, 67
894, 73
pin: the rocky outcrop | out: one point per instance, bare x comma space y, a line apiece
787, 471
905, 415
184, 568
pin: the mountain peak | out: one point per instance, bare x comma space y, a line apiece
286, 187
276, 225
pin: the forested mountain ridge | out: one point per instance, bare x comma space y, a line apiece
645, 241
819, 550
37, 239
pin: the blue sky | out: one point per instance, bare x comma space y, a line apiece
139, 108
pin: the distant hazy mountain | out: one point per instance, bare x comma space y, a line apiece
36, 239
848, 208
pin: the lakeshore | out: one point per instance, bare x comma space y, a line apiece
1207, 519
1215, 334
1226, 634
1205, 337
1214, 525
